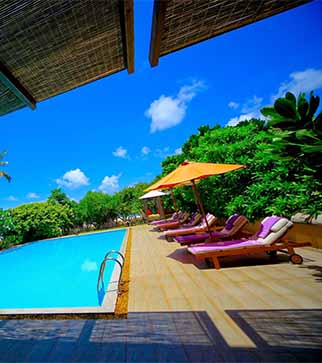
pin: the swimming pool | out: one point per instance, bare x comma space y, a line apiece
57, 273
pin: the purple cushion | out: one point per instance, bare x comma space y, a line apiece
266, 226
192, 238
209, 247
230, 221
197, 238
192, 218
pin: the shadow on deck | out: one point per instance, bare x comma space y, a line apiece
258, 259
317, 271
278, 335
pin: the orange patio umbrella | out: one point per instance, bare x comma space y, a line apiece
189, 172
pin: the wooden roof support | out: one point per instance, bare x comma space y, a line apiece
127, 26
159, 10
16, 87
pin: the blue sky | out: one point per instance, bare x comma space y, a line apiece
115, 132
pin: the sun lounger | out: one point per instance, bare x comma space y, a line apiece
173, 218
200, 228
174, 224
269, 239
233, 226
194, 219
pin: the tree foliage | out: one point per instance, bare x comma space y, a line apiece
59, 214
97, 208
57, 196
268, 184
127, 200
297, 131
34, 221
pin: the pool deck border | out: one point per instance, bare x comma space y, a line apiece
106, 311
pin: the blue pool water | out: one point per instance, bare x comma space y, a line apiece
56, 273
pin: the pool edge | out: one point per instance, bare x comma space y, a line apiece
121, 306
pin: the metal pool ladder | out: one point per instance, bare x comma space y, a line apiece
103, 264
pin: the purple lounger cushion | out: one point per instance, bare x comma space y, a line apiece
230, 221
173, 218
219, 246
196, 238
265, 228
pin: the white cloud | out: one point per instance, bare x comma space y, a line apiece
32, 195
301, 81
233, 105
178, 151
12, 198
167, 111
236, 120
145, 150
73, 179
250, 109
120, 152
110, 184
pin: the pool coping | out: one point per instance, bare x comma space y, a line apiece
105, 311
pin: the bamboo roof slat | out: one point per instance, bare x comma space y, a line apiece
51, 47
177, 24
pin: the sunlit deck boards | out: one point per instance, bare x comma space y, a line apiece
164, 277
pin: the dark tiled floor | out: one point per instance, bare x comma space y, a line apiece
279, 335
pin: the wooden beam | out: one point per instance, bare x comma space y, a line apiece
159, 10
16, 87
127, 26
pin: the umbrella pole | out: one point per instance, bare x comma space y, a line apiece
174, 201
202, 209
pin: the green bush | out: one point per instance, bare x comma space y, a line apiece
36, 221
268, 185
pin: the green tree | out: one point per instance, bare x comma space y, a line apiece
297, 131
36, 221
7, 228
58, 196
128, 202
268, 184
3, 163
98, 208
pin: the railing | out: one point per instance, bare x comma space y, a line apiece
100, 280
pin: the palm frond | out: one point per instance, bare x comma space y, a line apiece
5, 175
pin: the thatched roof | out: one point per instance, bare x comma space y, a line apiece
180, 23
48, 47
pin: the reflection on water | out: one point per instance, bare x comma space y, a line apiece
89, 266
101, 294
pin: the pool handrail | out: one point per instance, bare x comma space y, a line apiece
102, 268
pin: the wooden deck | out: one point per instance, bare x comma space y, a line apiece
252, 310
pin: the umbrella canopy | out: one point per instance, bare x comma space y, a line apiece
189, 171
153, 194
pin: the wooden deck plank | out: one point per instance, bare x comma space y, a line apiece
165, 277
